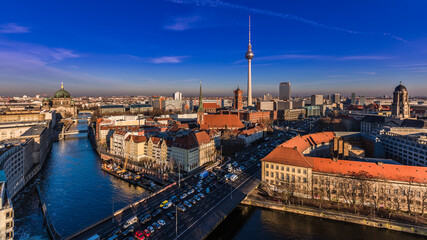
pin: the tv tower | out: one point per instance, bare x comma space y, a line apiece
249, 56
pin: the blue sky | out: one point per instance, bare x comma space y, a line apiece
147, 47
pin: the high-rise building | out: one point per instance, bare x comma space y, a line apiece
362, 100
335, 98
177, 96
238, 99
353, 98
268, 97
400, 107
249, 56
316, 100
285, 91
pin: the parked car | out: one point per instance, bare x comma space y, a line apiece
145, 218
156, 225
157, 212
139, 235
163, 203
146, 232
183, 196
201, 195
187, 204
181, 207
161, 222
167, 205
129, 230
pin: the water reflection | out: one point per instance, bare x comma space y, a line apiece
77, 192
255, 223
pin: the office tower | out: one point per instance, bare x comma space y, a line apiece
285, 91
316, 100
353, 98
268, 97
177, 96
335, 98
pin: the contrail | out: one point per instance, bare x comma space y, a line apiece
219, 3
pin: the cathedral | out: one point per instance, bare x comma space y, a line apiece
400, 107
61, 102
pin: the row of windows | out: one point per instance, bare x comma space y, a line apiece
288, 169
289, 177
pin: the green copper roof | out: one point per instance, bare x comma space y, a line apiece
62, 94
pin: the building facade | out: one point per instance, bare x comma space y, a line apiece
285, 91
400, 106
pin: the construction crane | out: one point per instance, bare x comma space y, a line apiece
126, 162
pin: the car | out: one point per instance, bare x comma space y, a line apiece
181, 207
207, 190
192, 200
199, 185
151, 229
156, 225
161, 222
191, 191
201, 195
183, 196
157, 212
117, 231
145, 218
199, 190
129, 230
174, 200
187, 204
167, 205
197, 197
114, 237
146, 232
200, 182
130, 222
139, 235
163, 203
170, 215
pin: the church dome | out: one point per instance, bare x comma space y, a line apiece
62, 93
400, 88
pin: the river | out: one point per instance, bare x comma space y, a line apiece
78, 193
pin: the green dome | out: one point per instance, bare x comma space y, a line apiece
61, 93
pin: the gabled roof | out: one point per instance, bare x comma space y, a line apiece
211, 105
222, 121
202, 137
306, 141
288, 156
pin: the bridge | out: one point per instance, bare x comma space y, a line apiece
194, 223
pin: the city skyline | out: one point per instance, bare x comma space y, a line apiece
343, 49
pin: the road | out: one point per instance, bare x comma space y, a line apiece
196, 220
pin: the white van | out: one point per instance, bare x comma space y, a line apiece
130, 222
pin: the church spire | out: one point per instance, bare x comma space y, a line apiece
200, 99
62, 85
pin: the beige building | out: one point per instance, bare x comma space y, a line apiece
6, 213
354, 183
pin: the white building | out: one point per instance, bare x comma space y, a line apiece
405, 145
177, 96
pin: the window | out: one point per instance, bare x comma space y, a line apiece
305, 171
266, 173
287, 169
305, 180
299, 170
282, 176
293, 169
272, 174
277, 167
9, 214
283, 168
266, 165
272, 166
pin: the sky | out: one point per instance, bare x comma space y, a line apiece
151, 47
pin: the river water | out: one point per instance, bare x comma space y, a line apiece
78, 193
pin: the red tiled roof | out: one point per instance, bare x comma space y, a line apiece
137, 139
288, 156
202, 137
211, 105
222, 121
306, 141
385, 171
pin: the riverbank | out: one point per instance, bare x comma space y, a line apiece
253, 200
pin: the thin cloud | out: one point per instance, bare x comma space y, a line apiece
365, 57
182, 23
13, 28
219, 3
168, 59
62, 53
